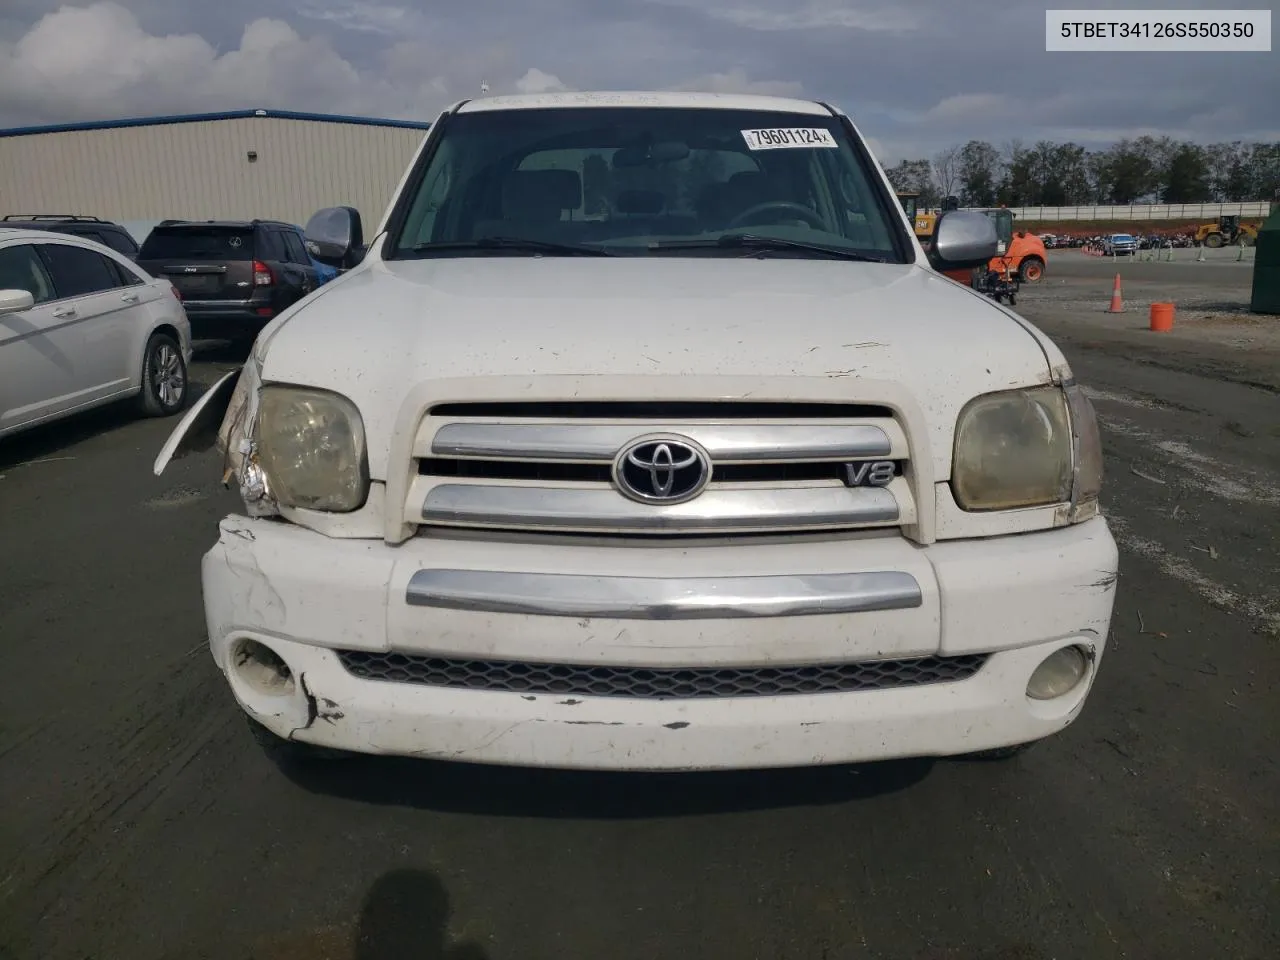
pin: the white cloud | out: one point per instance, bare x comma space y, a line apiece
737, 81
536, 81
98, 62
814, 15
969, 107
365, 17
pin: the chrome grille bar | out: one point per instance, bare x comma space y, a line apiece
600, 442
602, 508
654, 598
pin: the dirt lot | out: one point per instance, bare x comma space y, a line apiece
141, 822
1213, 331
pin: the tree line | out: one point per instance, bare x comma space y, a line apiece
1134, 170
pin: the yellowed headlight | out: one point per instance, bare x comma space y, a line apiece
1013, 449
311, 445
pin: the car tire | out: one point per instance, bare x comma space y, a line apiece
1213, 240
165, 384
1031, 270
291, 752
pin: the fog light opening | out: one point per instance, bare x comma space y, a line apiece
262, 669
1058, 674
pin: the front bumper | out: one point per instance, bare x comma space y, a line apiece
227, 319
307, 597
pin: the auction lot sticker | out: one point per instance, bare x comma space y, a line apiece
782, 138
1158, 31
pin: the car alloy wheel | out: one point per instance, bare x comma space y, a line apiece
168, 378
164, 378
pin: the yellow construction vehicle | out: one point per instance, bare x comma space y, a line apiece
1228, 230
925, 222
910, 204
921, 222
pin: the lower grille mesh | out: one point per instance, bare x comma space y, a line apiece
649, 683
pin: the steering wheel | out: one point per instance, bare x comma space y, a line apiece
807, 214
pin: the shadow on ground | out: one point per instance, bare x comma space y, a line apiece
519, 792
405, 917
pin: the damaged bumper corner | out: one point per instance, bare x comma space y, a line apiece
308, 598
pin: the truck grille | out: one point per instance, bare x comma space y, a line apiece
550, 466
651, 683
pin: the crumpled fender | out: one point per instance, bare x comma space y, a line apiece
226, 416
198, 430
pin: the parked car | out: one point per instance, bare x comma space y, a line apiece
105, 232
632, 492
1120, 244
80, 326
234, 276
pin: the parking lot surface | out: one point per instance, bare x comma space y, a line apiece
142, 822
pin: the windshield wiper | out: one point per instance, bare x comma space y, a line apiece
751, 241
512, 243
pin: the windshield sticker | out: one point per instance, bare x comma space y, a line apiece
780, 138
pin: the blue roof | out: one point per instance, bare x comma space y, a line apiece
204, 117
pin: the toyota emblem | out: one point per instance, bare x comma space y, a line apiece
662, 469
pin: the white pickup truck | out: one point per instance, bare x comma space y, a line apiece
643, 435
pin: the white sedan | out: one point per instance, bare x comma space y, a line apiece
81, 326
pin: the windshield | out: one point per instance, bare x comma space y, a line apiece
645, 181
212, 243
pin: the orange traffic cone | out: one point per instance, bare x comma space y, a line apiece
1117, 305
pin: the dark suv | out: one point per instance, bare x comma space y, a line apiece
91, 228
234, 276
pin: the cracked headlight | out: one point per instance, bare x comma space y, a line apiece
1014, 449
311, 446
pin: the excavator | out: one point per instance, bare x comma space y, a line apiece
1228, 230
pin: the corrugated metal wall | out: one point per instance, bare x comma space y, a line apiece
201, 171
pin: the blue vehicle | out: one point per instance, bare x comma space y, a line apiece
324, 272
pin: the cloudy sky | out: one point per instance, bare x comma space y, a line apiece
916, 74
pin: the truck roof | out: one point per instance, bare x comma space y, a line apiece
721, 101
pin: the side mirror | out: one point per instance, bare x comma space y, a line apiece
15, 301
335, 237
963, 239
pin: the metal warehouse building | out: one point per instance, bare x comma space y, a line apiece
268, 164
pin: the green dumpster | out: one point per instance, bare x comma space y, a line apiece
1266, 267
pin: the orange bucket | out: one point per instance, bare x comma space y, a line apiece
1162, 317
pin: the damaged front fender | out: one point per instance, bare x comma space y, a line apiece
200, 427
226, 416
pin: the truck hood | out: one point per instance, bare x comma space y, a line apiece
388, 327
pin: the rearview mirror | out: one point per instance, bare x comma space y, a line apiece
335, 237
667, 151
963, 239
15, 301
